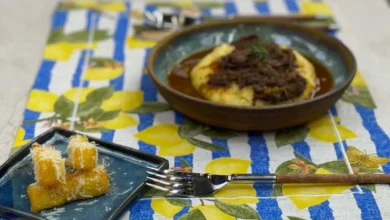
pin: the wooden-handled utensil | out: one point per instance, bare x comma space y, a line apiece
181, 182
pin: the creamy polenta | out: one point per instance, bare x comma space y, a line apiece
245, 96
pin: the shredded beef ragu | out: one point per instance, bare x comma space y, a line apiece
273, 80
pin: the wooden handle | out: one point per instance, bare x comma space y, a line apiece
334, 178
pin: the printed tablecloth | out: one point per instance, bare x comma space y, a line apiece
92, 79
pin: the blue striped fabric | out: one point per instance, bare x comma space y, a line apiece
267, 208
119, 55
365, 201
79, 69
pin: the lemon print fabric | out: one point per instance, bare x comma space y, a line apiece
356, 156
306, 195
61, 45
315, 8
99, 109
41, 101
100, 68
322, 129
166, 137
19, 138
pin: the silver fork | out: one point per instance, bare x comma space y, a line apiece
183, 182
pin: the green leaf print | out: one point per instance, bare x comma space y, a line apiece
190, 129
179, 202
184, 163
370, 187
100, 94
151, 108
105, 115
240, 211
219, 134
58, 35
87, 110
205, 145
338, 166
152, 192
277, 191
81, 128
360, 96
294, 218
96, 62
63, 107
298, 156
291, 135
195, 214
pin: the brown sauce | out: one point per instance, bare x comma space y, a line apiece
179, 78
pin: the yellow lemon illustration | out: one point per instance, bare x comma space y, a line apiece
236, 191
184, 3
85, 3
227, 165
18, 142
133, 43
322, 129
123, 100
72, 94
213, 213
83, 45
358, 80
41, 101
164, 208
166, 137
103, 73
58, 52
315, 8
113, 6
121, 121
304, 195
179, 149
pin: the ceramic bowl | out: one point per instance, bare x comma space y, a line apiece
312, 43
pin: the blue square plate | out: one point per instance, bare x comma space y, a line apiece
125, 166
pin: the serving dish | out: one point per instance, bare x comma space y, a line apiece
126, 168
327, 50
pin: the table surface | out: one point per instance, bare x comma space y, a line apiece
24, 27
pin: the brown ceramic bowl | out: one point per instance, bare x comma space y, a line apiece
330, 52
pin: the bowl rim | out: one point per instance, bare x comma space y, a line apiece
242, 21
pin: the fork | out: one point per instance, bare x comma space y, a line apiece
183, 182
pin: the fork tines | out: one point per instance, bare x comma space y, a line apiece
172, 181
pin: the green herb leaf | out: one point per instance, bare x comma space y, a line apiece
195, 214
294, 218
337, 166
100, 94
63, 107
239, 211
370, 187
219, 134
179, 202
291, 135
184, 163
151, 108
190, 129
360, 96
277, 191
205, 145
259, 51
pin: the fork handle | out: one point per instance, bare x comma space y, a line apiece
312, 178
334, 178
